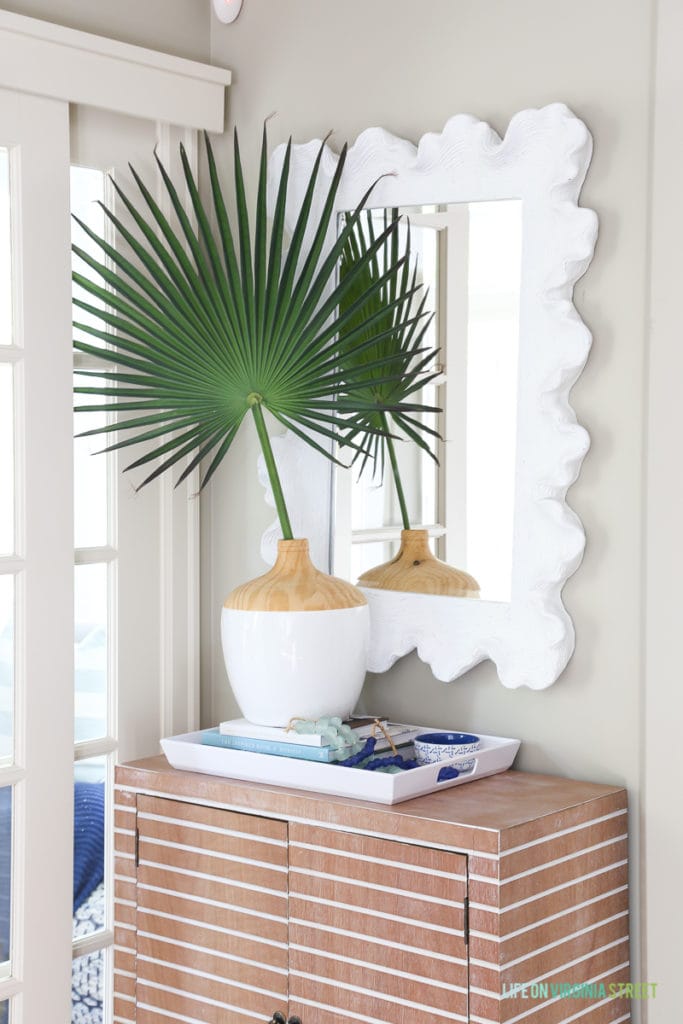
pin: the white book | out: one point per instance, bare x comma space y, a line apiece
400, 734
241, 727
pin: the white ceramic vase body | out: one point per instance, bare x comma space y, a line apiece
299, 664
295, 641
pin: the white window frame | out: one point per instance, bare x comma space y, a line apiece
43, 747
56, 67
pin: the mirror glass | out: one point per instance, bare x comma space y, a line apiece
469, 257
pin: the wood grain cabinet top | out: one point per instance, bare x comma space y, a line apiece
505, 900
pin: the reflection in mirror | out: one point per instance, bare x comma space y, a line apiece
469, 257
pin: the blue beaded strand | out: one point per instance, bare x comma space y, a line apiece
364, 760
366, 751
381, 763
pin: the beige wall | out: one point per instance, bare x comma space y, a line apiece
180, 27
663, 694
408, 67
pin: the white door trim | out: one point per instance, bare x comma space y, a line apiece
42, 856
179, 526
44, 59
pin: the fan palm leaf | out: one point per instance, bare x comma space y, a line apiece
207, 324
385, 303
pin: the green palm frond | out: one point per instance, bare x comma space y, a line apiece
206, 324
388, 307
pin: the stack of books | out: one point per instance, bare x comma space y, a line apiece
239, 734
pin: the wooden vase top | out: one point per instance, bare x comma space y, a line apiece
415, 569
294, 584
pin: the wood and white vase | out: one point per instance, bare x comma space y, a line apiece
417, 570
295, 641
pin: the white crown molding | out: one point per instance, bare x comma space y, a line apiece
44, 59
542, 160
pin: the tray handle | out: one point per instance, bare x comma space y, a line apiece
443, 766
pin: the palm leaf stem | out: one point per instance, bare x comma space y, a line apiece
271, 468
396, 474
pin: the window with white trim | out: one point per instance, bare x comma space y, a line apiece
98, 638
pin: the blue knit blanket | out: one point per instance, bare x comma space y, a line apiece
88, 850
88, 839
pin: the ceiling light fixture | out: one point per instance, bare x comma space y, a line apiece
227, 10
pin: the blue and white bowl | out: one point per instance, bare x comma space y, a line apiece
431, 747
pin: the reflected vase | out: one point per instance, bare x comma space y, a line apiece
417, 570
295, 641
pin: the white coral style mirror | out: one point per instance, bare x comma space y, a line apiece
500, 242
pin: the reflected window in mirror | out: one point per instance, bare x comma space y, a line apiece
468, 256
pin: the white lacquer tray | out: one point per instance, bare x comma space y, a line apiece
188, 753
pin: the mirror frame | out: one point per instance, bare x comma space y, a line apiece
542, 160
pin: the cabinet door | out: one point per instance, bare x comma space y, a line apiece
211, 914
376, 930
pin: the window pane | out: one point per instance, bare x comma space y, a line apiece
6, 460
90, 474
4, 1012
374, 498
6, 668
5, 871
87, 190
374, 501
366, 556
87, 988
91, 650
5, 253
89, 833
91, 526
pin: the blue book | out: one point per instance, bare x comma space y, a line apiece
214, 738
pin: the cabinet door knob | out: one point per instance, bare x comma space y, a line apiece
279, 1018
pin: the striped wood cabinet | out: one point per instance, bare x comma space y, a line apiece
234, 900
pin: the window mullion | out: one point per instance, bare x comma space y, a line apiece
11, 353
95, 556
93, 943
9, 987
95, 748
10, 565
